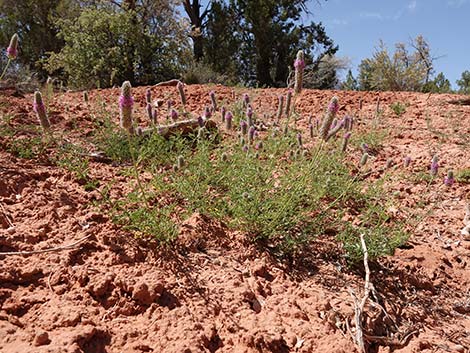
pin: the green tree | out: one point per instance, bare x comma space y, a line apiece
350, 83
35, 23
464, 83
405, 70
106, 45
266, 36
440, 84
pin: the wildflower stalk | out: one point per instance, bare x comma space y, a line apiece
280, 108
344, 144
126, 102
213, 100
180, 88
329, 117
40, 110
12, 53
299, 66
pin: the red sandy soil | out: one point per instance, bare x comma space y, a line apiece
215, 291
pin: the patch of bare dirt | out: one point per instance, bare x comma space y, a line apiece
216, 292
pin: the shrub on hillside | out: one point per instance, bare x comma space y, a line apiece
104, 47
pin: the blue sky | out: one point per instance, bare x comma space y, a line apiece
358, 25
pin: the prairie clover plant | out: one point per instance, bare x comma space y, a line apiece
434, 166
148, 96
334, 130
280, 108
180, 88
154, 116
449, 179
249, 116
288, 103
40, 109
407, 161
126, 103
213, 101
207, 113
173, 114
200, 121
299, 140
330, 115
150, 112
228, 120
299, 66
180, 162
246, 100
344, 144
251, 134
244, 127
364, 158
222, 113
12, 52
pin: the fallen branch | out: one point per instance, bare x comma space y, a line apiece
59, 248
173, 82
360, 304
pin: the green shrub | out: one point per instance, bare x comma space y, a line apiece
104, 47
398, 108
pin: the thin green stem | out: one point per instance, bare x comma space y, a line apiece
5, 69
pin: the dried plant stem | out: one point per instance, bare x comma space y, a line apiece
5, 69
360, 304
58, 248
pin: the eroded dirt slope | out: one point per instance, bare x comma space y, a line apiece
114, 293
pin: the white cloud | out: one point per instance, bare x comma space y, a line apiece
412, 5
457, 3
339, 22
372, 15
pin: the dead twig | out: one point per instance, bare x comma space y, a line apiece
360, 304
466, 221
59, 248
7, 217
173, 82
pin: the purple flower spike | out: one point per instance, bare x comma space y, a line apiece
245, 148
299, 139
126, 102
155, 116
449, 179
299, 64
347, 135
200, 121
12, 50
244, 127
213, 100
333, 107
228, 120
222, 112
150, 111
251, 133
407, 161
434, 166
207, 113
246, 99
174, 115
